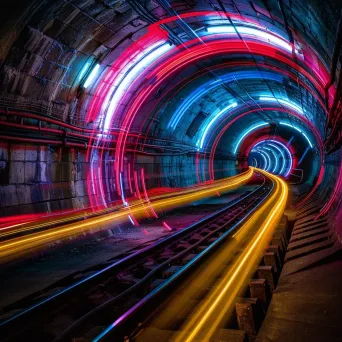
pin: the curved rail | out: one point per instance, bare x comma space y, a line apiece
206, 317
91, 284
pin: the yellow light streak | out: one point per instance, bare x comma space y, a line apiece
20, 245
209, 315
65, 218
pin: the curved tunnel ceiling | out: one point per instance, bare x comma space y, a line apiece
251, 82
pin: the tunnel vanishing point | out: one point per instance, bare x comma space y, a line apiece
171, 170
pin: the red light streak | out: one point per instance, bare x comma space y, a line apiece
167, 226
173, 61
145, 192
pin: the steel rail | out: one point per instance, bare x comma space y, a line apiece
117, 330
32, 313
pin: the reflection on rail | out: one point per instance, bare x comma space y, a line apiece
225, 273
208, 317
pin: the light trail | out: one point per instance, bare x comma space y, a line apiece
20, 245
46, 222
209, 315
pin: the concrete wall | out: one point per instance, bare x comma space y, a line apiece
43, 179
40, 179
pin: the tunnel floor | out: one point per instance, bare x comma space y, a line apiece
25, 277
306, 302
306, 306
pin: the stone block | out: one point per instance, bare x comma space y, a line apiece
80, 188
270, 259
33, 64
36, 194
3, 200
53, 154
56, 191
266, 272
86, 201
259, 289
51, 171
81, 157
54, 206
31, 87
72, 189
4, 155
31, 153
65, 204
24, 194
9, 195
10, 211
45, 191
30, 172
77, 203
248, 315
63, 172
67, 190
17, 153
4, 172
16, 172
37, 42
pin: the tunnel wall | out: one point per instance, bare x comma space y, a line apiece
40, 179
42, 57
331, 189
45, 179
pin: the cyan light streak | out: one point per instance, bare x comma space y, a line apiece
268, 159
263, 157
84, 70
253, 128
91, 76
282, 155
273, 143
255, 163
285, 103
299, 130
212, 121
275, 158
289, 154
265, 160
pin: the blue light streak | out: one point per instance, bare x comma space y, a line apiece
268, 159
208, 86
299, 130
275, 158
284, 161
272, 143
212, 121
253, 128
91, 76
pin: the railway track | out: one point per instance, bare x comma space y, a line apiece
123, 287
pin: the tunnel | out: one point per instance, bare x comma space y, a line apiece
171, 170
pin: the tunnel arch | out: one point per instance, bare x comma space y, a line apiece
173, 91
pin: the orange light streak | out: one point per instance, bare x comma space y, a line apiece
207, 318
